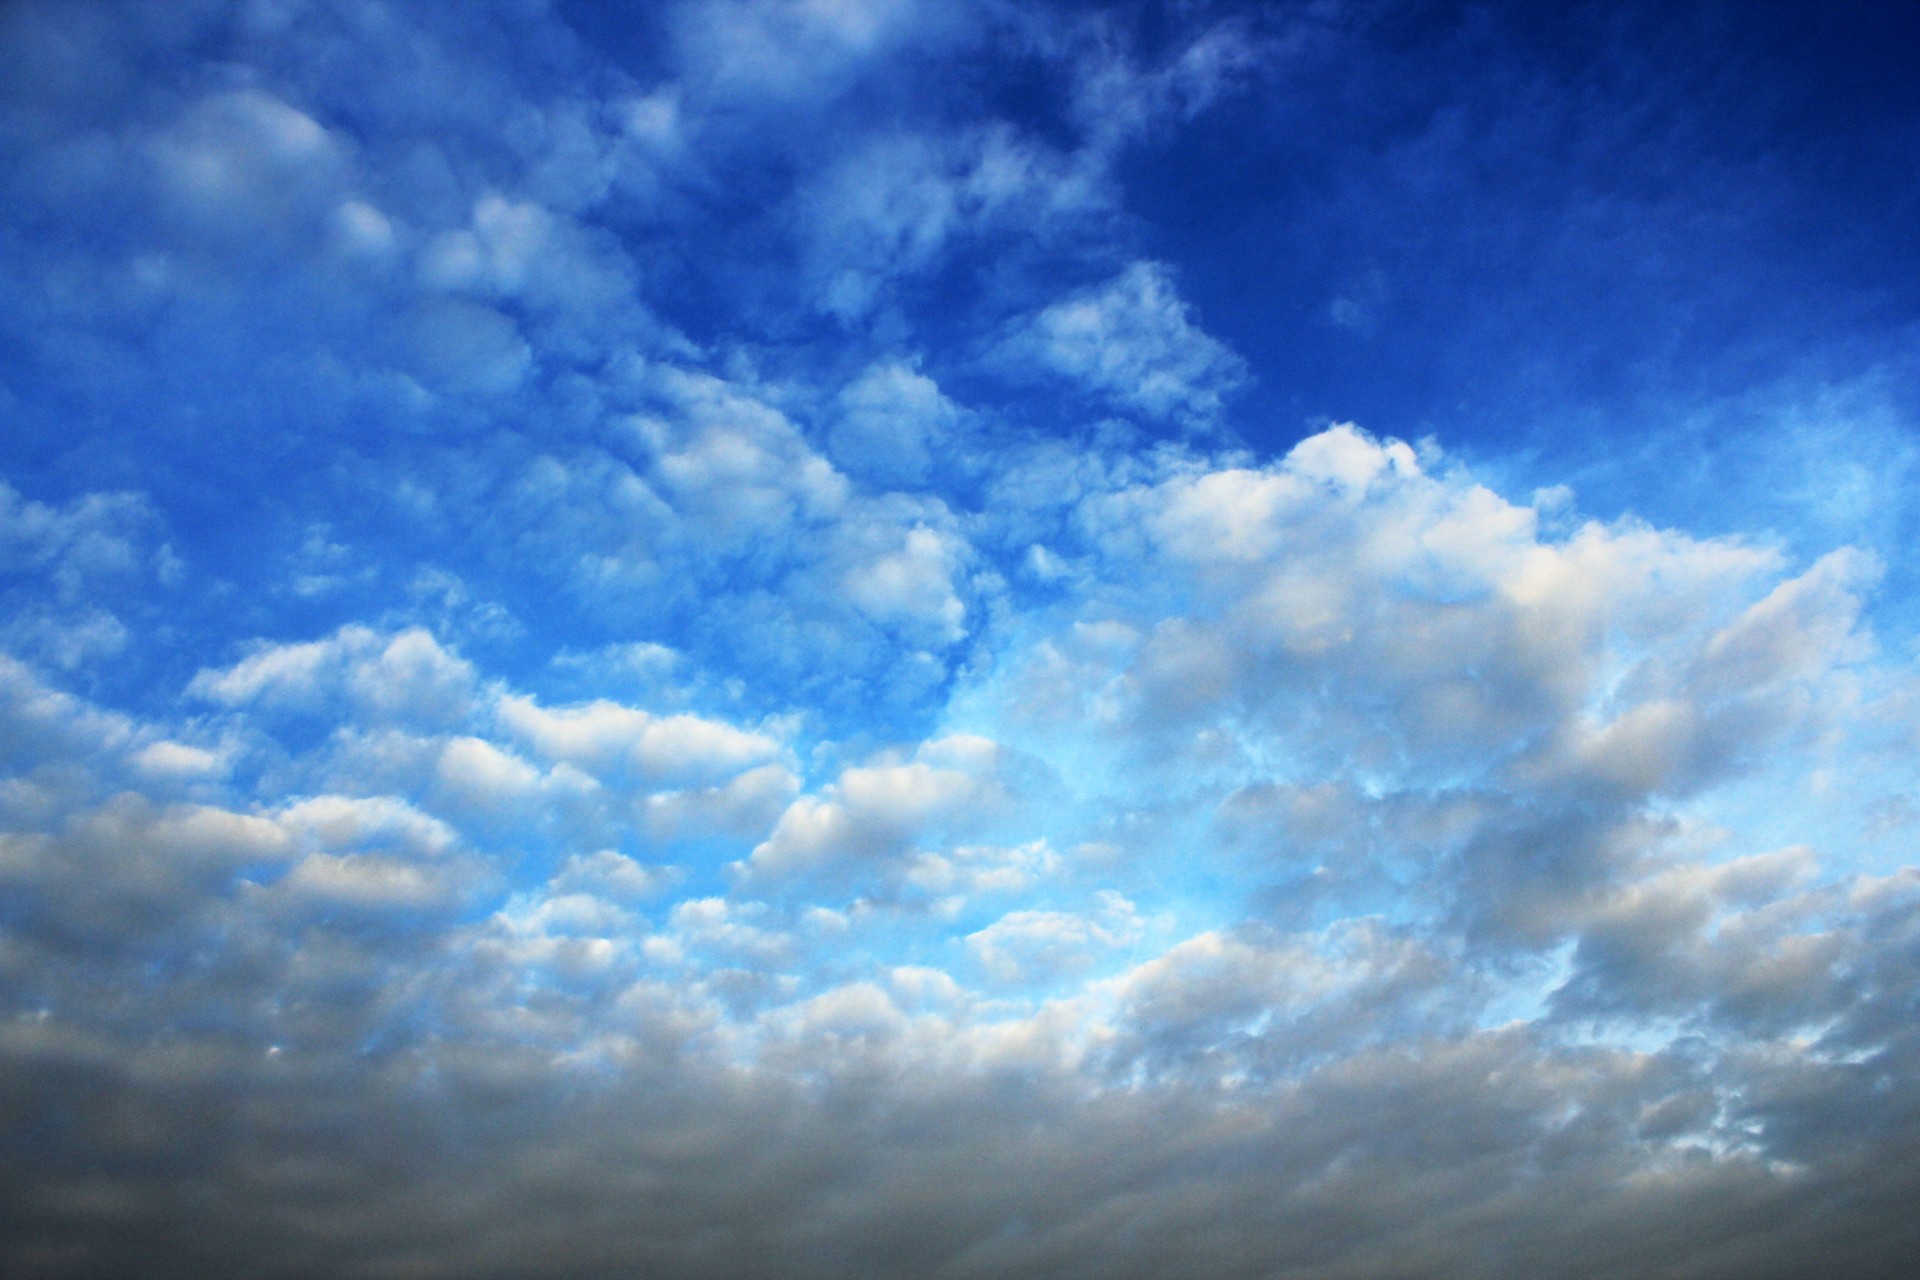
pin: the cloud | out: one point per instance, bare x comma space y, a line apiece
779, 56
902, 205
64, 563
1041, 945
913, 584
1133, 342
610, 873
1026, 1024
95, 536
245, 163
880, 810
377, 821
744, 806
680, 739
612, 740
406, 677
951, 877
892, 420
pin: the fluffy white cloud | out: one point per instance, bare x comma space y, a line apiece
62, 561
377, 822
612, 874
951, 877
244, 162
734, 465
744, 806
913, 584
1042, 945
406, 677
880, 810
362, 880
611, 740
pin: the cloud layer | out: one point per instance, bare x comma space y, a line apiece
644, 646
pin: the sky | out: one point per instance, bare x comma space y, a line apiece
877, 638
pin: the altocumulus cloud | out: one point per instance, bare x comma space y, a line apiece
649, 645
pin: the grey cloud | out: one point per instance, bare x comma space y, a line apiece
1493, 1155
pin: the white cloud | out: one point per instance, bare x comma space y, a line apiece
364, 881
94, 536
1116, 99
914, 585
890, 422
464, 346
772, 57
41, 725
244, 162
385, 823
473, 774
129, 871
522, 251
406, 677
728, 928
951, 877
1133, 341
903, 203
734, 464
876, 811
609, 873
166, 760
1041, 946
1446, 754
744, 806
610, 740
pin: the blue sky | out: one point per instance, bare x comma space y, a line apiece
842, 637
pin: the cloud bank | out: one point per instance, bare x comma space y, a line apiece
636, 645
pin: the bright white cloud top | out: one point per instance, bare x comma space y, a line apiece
648, 644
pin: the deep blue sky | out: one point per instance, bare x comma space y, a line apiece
1615, 246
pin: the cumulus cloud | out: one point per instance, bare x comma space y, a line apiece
1132, 341
891, 420
1438, 749
950, 878
1030, 944
880, 810
60, 561
244, 162
609, 739
406, 677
